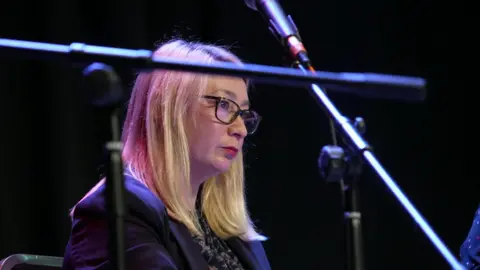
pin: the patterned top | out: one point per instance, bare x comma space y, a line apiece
216, 251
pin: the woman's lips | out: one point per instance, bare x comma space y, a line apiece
231, 150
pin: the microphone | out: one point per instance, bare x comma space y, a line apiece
103, 85
282, 27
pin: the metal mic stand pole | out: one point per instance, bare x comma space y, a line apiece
105, 90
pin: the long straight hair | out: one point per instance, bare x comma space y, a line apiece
156, 149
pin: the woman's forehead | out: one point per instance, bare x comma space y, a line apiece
233, 86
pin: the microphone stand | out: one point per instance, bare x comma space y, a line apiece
114, 194
334, 162
105, 90
370, 85
344, 167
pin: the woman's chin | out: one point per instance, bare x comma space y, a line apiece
222, 164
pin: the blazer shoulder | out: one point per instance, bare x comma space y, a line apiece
139, 201
259, 251
147, 233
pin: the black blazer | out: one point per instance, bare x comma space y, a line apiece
153, 240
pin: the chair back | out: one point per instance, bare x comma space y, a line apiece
31, 262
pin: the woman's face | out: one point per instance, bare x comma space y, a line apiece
213, 143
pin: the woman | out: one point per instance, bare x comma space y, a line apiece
470, 249
185, 202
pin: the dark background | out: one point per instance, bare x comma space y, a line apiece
51, 140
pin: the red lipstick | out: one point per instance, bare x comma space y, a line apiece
231, 150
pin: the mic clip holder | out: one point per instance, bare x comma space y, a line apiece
275, 30
292, 43
344, 166
335, 163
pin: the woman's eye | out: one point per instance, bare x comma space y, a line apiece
224, 104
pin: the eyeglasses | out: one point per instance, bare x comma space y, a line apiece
227, 110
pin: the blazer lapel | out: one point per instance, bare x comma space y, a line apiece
191, 251
244, 253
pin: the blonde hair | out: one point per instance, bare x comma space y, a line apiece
156, 149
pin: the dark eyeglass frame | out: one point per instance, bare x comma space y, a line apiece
238, 112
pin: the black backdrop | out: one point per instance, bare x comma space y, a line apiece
51, 140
